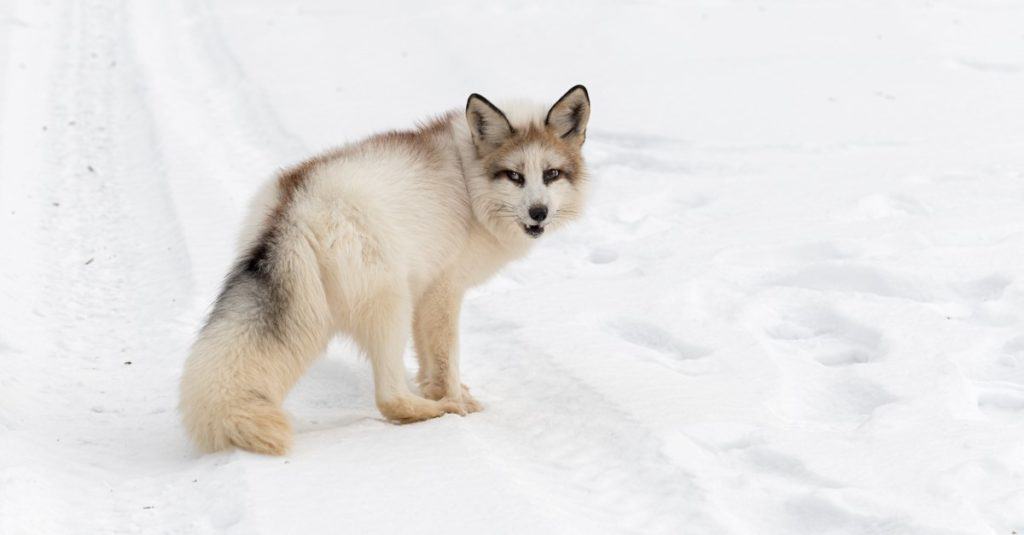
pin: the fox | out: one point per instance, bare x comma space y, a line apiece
379, 240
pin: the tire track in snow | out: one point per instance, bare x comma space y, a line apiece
105, 248
220, 139
611, 469
114, 259
113, 242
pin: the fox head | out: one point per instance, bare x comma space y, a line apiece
532, 174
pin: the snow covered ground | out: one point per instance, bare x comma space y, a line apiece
795, 306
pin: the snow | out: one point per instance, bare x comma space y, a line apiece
795, 304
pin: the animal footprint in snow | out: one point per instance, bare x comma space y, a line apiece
883, 206
992, 299
827, 337
829, 397
990, 288
603, 256
1014, 352
763, 459
655, 338
1001, 399
847, 277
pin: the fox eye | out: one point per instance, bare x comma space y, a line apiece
550, 175
515, 177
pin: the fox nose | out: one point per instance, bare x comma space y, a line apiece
538, 212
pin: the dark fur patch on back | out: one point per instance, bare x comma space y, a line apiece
252, 291
257, 263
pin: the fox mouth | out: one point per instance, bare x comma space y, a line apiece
533, 230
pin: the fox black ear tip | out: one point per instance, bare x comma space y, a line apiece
577, 88
479, 98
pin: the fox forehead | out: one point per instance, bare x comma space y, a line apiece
533, 156
535, 148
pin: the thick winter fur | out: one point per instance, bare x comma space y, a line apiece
379, 240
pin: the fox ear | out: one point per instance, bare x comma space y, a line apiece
568, 118
488, 124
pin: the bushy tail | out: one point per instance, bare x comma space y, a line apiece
268, 324
226, 405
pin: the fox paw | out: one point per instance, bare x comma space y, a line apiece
409, 409
464, 400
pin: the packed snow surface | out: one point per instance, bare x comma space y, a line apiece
795, 304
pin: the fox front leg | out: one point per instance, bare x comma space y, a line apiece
436, 336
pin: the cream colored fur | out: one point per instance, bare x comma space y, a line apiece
378, 240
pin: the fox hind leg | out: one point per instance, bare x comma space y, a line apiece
382, 330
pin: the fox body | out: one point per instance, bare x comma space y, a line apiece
379, 240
